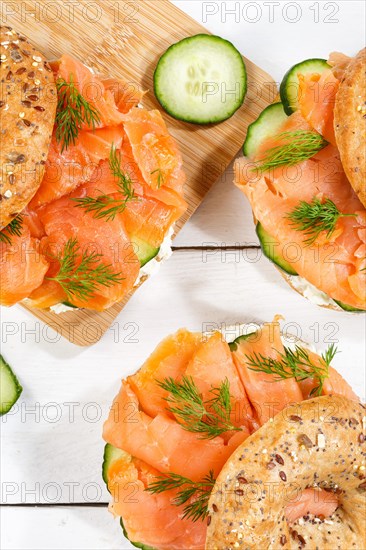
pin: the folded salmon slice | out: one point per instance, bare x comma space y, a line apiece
126, 94
317, 95
168, 360
267, 396
212, 364
161, 441
22, 267
154, 149
66, 170
91, 88
63, 221
148, 518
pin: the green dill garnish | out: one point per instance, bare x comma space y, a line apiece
14, 228
294, 364
80, 279
300, 145
160, 177
73, 110
209, 418
108, 206
197, 491
315, 217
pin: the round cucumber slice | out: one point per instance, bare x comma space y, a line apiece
269, 244
10, 389
289, 88
267, 124
201, 79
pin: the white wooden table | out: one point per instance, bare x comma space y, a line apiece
52, 493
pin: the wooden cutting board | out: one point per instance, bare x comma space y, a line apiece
125, 39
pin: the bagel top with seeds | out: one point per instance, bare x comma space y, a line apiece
321, 444
28, 100
350, 123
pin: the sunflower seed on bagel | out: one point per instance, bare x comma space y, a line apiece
28, 100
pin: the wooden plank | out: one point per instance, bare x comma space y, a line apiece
223, 288
126, 40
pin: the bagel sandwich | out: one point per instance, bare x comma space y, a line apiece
204, 421
91, 185
303, 171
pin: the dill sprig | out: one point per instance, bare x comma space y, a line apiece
160, 177
300, 145
209, 418
108, 206
315, 217
73, 110
13, 229
198, 492
294, 364
79, 279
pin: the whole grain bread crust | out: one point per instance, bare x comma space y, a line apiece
28, 101
350, 123
316, 443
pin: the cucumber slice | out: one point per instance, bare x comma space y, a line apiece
267, 124
268, 244
10, 389
289, 89
234, 345
144, 251
201, 79
346, 307
111, 455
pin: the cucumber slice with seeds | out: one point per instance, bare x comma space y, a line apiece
267, 125
201, 79
289, 89
10, 389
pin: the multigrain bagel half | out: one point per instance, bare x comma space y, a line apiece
317, 443
350, 123
28, 101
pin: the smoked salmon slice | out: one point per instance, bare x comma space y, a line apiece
62, 221
315, 502
154, 149
22, 267
155, 516
317, 95
268, 397
66, 170
161, 441
91, 88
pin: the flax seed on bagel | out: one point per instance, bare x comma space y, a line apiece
28, 101
350, 123
323, 447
